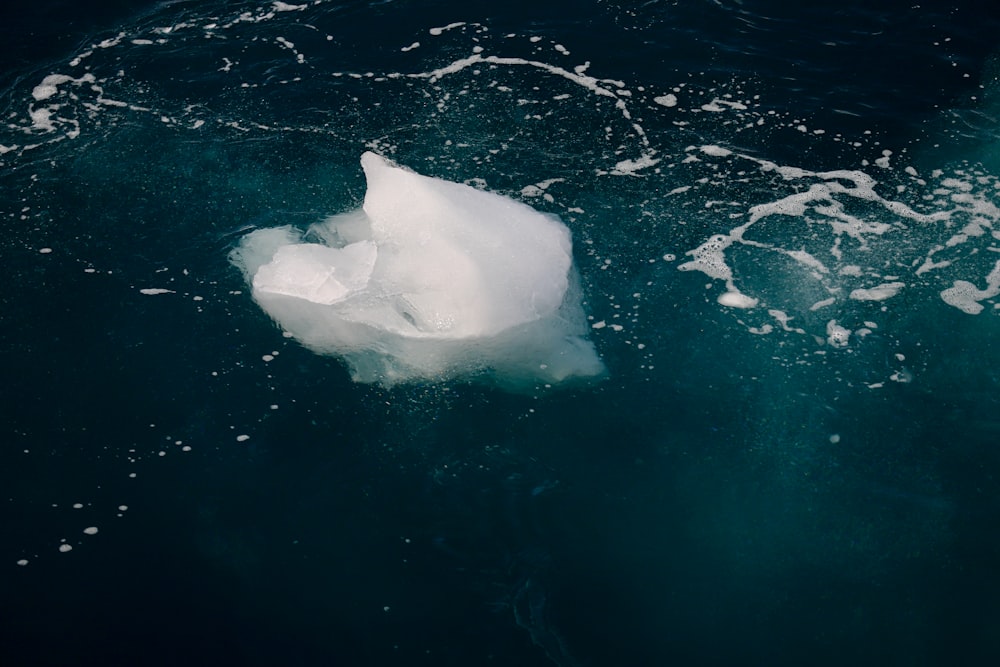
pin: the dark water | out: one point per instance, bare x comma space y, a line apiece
810, 480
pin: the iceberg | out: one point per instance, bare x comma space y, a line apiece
430, 280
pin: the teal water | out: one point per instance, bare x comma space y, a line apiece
786, 229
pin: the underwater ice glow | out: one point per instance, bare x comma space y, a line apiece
428, 280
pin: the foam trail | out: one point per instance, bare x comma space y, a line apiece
624, 167
429, 280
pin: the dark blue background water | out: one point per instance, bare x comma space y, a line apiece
692, 508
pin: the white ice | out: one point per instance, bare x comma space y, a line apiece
428, 280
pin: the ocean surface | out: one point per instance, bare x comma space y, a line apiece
786, 225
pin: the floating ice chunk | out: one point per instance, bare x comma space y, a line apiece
429, 280
317, 272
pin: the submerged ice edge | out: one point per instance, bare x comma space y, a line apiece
430, 280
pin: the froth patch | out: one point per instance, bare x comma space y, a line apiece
49, 86
843, 237
966, 296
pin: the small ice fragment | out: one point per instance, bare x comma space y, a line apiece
156, 290
65, 547
91, 530
45, 251
242, 438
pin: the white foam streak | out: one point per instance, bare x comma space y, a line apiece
823, 202
590, 83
